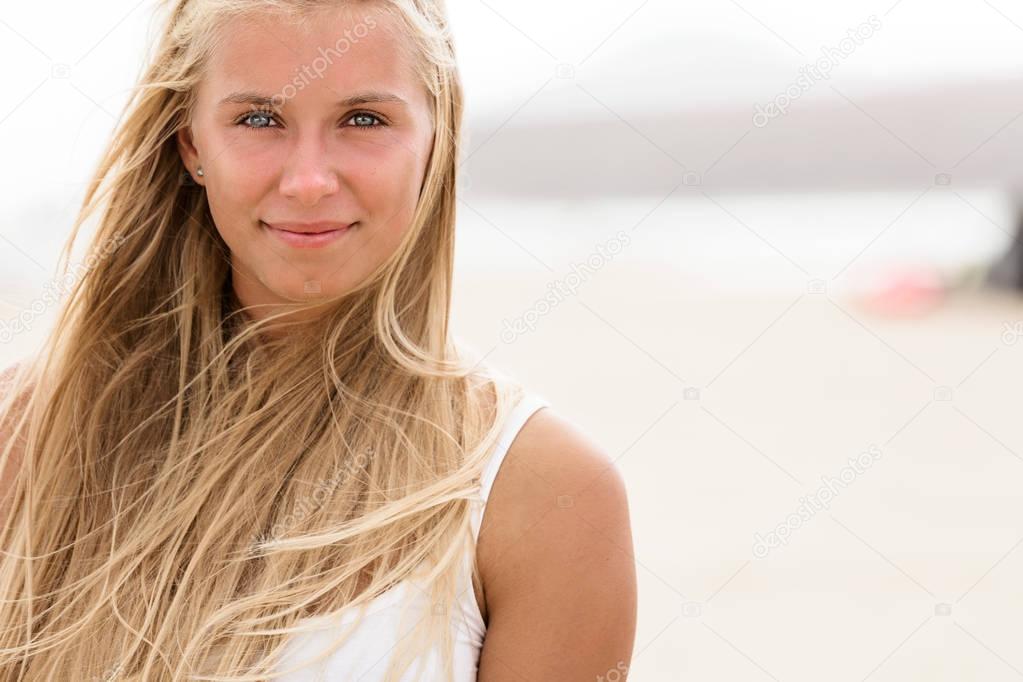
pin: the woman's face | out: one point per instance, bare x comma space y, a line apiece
304, 130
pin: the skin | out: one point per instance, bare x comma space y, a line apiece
556, 560
555, 549
303, 157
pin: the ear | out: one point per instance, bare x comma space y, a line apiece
187, 150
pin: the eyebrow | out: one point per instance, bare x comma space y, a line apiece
371, 97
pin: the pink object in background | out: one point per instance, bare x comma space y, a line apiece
905, 292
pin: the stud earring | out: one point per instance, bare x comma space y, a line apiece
200, 172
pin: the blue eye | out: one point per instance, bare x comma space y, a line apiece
256, 115
268, 121
366, 115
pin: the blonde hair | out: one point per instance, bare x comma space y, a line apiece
168, 441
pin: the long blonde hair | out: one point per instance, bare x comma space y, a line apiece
168, 440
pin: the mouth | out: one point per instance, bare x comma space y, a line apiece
308, 235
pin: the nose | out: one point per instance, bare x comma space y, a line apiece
309, 173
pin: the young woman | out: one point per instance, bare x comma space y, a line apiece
250, 449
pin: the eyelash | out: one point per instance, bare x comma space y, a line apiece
270, 114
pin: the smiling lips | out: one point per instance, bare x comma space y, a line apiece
309, 235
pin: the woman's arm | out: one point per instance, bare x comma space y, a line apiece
556, 559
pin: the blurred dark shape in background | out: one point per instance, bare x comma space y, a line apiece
1007, 271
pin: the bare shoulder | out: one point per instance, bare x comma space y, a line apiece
556, 558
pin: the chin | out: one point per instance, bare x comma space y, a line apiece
311, 291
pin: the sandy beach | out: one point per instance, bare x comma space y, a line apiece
727, 414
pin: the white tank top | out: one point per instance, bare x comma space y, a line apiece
366, 654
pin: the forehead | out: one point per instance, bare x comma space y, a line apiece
336, 52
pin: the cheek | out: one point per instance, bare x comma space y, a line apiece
244, 156
387, 185
241, 175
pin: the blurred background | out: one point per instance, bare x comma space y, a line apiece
764, 253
